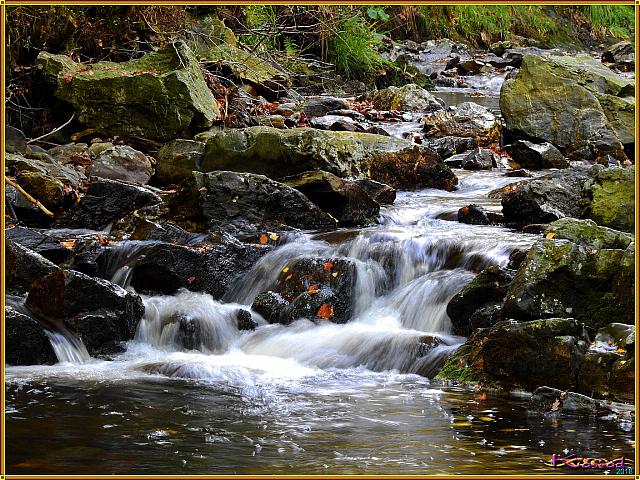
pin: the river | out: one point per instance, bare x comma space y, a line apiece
305, 398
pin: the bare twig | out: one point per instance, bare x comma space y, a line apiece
29, 198
52, 131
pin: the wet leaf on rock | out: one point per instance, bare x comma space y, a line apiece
325, 312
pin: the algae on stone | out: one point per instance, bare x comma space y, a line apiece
156, 96
612, 198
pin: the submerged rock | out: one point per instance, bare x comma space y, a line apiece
527, 355
344, 200
313, 288
26, 340
467, 119
156, 96
245, 203
535, 156
573, 102
551, 401
96, 310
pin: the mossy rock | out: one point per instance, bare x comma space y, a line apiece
575, 103
156, 96
526, 355
587, 233
561, 278
612, 198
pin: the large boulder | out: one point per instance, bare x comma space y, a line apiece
23, 266
611, 195
156, 96
26, 341
344, 200
487, 289
526, 355
411, 98
545, 199
622, 55
380, 192
467, 119
588, 234
314, 288
242, 203
106, 201
535, 156
40, 242
321, 106
122, 163
574, 102
99, 312
177, 159
575, 278
281, 153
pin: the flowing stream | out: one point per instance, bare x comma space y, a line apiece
304, 398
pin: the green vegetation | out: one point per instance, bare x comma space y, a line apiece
615, 20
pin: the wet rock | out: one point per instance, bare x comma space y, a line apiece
473, 215
156, 96
98, 311
245, 321
409, 98
485, 290
281, 153
313, 288
449, 146
573, 102
244, 202
26, 340
164, 232
536, 156
588, 234
344, 200
526, 355
545, 199
480, 159
468, 119
380, 192
336, 123
106, 201
455, 161
320, 106
352, 114
41, 243
519, 172
45, 165
46, 189
622, 55
23, 266
560, 277
14, 140
611, 196
270, 305
122, 163
551, 401
177, 159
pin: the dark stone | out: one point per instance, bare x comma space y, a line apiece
245, 321
177, 159
519, 172
270, 305
474, 215
14, 140
245, 203
448, 146
551, 401
106, 201
23, 266
124, 163
345, 200
26, 342
480, 159
319, 106
486, 289
96, 310
41, 243
536, 156
380, 192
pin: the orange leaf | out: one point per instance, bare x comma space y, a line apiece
465, 210
325, 312
328, 266
550, 235
288, 277
313, 289
621, 350
68, 78
69, 244
263, 238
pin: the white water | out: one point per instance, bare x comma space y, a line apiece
408, 269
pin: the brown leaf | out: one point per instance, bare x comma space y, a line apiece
68, 78
313, 289
325, 312
190, 280
263, 238
556, 405
69, 244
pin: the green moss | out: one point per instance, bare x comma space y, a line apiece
613, 198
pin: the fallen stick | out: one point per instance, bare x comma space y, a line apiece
29, 198
52, 131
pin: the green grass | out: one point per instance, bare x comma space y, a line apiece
615, 20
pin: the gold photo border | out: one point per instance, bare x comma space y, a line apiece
5, 3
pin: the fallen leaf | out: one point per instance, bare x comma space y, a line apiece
68, 78
550, 235
334, 274
622, 362
325, 312
288, 277
69, 244
464, 210
328, 266
273, 236
556, 405
263, 238
190, 280
621, 350
313, 289
285, 269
